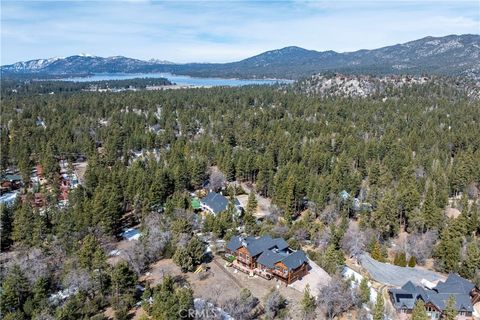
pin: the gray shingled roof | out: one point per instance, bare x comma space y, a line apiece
257, 246
271, 251
268, 258
217, 202
454, 286
234, 243
295, 260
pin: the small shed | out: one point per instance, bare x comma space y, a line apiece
196, 205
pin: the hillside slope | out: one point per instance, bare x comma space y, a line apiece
457, 55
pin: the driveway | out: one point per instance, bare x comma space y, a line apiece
316, 278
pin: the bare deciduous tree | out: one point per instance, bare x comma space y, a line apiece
206, 310
136, 256
312, 206
322, 239
301, 234
78, 279
354, 241
421, 245
44, 316
275, 214
33, 262
279, 231
241, 307
273, 304
335, 298
217, 179
157, 236
329, 214
151, 245
472, 191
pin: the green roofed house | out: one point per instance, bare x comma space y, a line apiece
196, 204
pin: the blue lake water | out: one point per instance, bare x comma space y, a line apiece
178, 79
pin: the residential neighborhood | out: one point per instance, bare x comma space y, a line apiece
240, 160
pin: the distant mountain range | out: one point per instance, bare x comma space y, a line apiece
455, 55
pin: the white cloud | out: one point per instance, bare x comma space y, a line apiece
221, 31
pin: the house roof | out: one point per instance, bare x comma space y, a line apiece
12, 177
254, 246
196, 203
270, 250
217, 202
455, 286
295, 260
268, 258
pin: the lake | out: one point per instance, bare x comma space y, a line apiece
178, 79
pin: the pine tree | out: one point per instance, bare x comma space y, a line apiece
408, 198
432, 215
396, 259
331, 259
123, 281
15, 290
107, 207
450, 312
183, 259
87, 251
402, 259
364, 290
419, 312
250, 224
230, 169
308, 303
158, 191
252, 202
412, 262
289, 201
376, 252
24, 223
448, 249
379, 309
6, 226
384, 218
471, 262
196, 250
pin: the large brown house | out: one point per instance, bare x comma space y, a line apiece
268, 258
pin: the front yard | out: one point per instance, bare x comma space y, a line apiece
224, 283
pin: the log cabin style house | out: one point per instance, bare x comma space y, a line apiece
268, 258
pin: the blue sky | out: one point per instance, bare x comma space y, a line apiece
220, 31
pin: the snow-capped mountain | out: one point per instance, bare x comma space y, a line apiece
457, 55
37, 64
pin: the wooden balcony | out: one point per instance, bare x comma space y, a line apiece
283, 274
263, 273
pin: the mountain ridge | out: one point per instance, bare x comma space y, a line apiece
453, 55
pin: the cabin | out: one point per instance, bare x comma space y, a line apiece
267, 257
216, 203
10, 182
435, 297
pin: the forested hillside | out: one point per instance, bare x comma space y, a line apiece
452, 55
389, 165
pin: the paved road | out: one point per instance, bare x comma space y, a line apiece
395, 275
